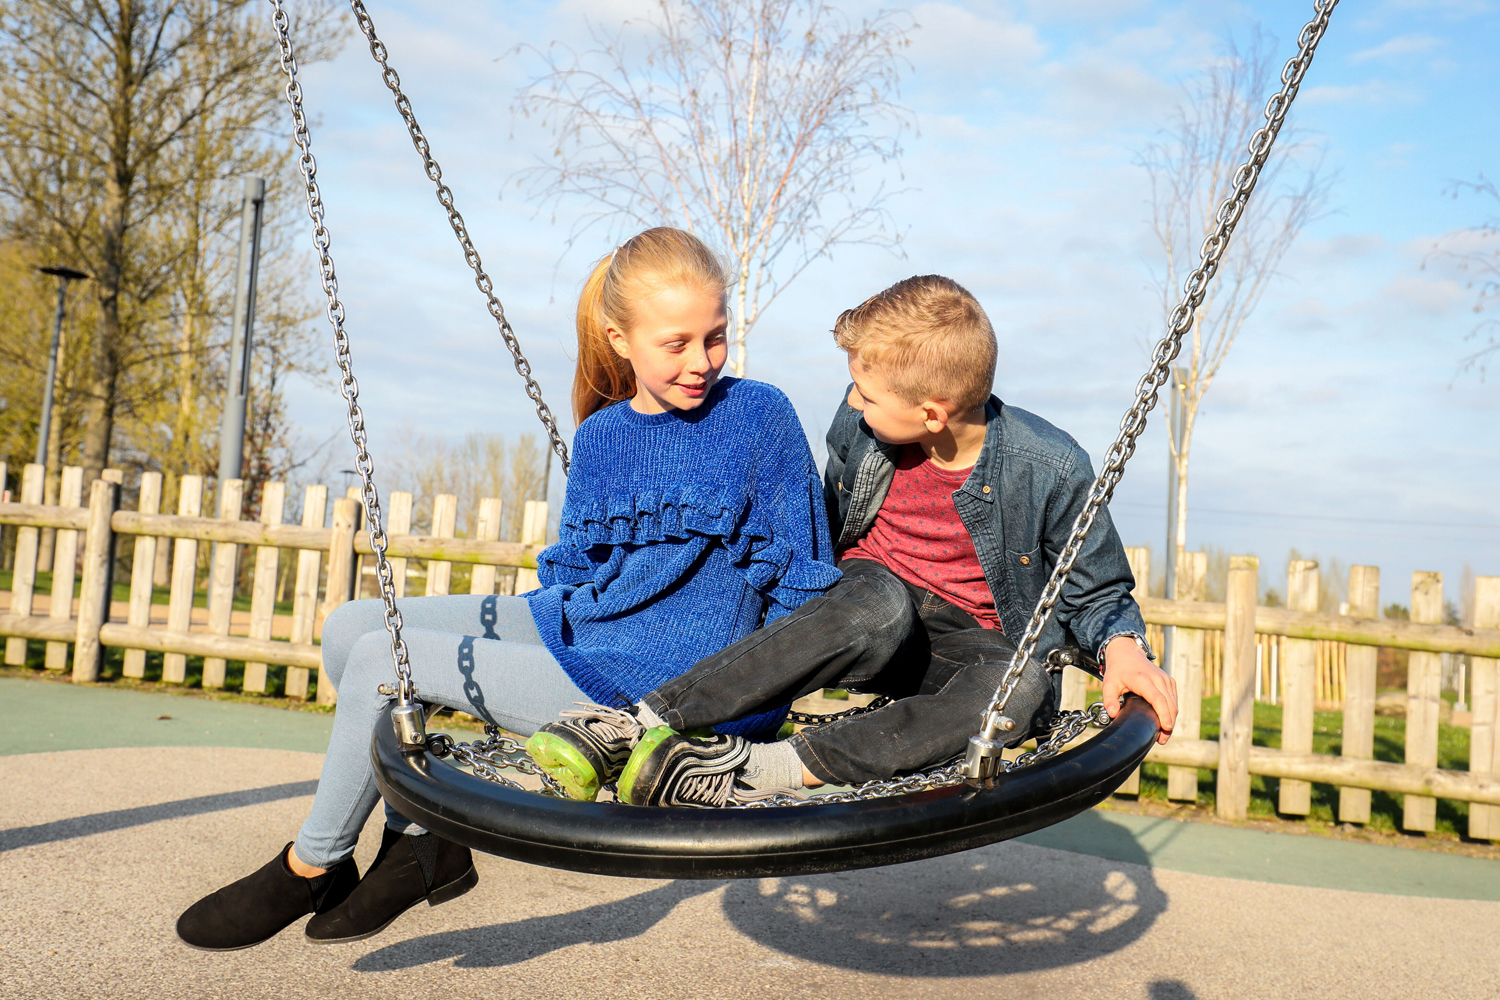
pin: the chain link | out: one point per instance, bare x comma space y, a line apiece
497, 752
460, 230
1194, 290
348, 387
487, 757
1066, 727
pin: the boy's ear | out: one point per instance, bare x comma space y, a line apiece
935, 415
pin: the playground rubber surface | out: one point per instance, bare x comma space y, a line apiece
105, 837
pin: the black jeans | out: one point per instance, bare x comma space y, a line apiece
872, 632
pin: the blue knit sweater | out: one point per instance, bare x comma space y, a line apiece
681, 533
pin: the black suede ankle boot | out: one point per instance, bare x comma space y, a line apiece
262, 904
406, 871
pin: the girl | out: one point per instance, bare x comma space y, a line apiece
693, 514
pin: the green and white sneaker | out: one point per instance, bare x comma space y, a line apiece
586, 748
669, 768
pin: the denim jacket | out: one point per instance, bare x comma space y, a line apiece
1029, 483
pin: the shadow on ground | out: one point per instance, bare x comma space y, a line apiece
996, 910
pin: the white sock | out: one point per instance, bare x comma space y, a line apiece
647, 718
773, 765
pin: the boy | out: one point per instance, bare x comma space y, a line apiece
948, 509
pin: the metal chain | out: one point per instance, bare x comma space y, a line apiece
407, 691
1066, 727
496, 752
460, 230
488, 756
1194, 289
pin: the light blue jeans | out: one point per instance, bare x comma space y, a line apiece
479, 654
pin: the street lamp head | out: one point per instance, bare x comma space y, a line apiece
64, 272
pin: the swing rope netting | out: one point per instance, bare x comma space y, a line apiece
487, 758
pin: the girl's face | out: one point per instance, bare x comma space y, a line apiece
677, 348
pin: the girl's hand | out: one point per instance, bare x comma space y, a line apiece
1127, 670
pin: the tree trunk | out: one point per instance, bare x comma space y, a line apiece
182, 429
99, 398
1184, 451
737, 364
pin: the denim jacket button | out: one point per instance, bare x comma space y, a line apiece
986, 489
1025, 560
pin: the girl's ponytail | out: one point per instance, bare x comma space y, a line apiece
602, 376
655, 259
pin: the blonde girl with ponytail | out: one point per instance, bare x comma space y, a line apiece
693, 515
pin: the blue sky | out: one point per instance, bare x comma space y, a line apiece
1341, 423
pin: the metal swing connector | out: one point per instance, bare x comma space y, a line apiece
982, 758
410, 720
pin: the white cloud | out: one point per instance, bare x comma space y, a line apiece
957, 42
1370, 93
1402, 45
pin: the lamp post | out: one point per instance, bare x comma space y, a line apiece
44, 430
63, 275
242, 330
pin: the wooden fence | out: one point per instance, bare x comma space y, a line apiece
1317, 657
328, 561
1305, 657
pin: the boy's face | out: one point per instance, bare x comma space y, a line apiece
891, 418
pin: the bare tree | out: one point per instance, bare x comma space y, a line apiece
1191, 167
101, 103
1475, 251
480, 465
748, 122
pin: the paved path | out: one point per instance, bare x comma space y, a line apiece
101, 847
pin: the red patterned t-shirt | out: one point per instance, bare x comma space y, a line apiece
919, 536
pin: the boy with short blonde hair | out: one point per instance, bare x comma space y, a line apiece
948, 509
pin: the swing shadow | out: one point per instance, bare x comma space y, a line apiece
996, 910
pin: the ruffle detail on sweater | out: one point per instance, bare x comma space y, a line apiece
769, 564
648, 516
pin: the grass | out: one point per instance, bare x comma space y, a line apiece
1385, 808
159, 595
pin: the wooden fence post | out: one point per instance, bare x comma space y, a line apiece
533, 532
23, 574
263, 590
93, 604
305, 596
444, 521
1484, 739
1298, 665
64, 564
398, 522
486, 529
184, 578
221, 579
142, 567
161, 571
1359, 692
1424, 682
1187, 670
357, 562
1140, 568
1237, 714
340, 576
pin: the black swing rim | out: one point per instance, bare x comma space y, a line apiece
606, 838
